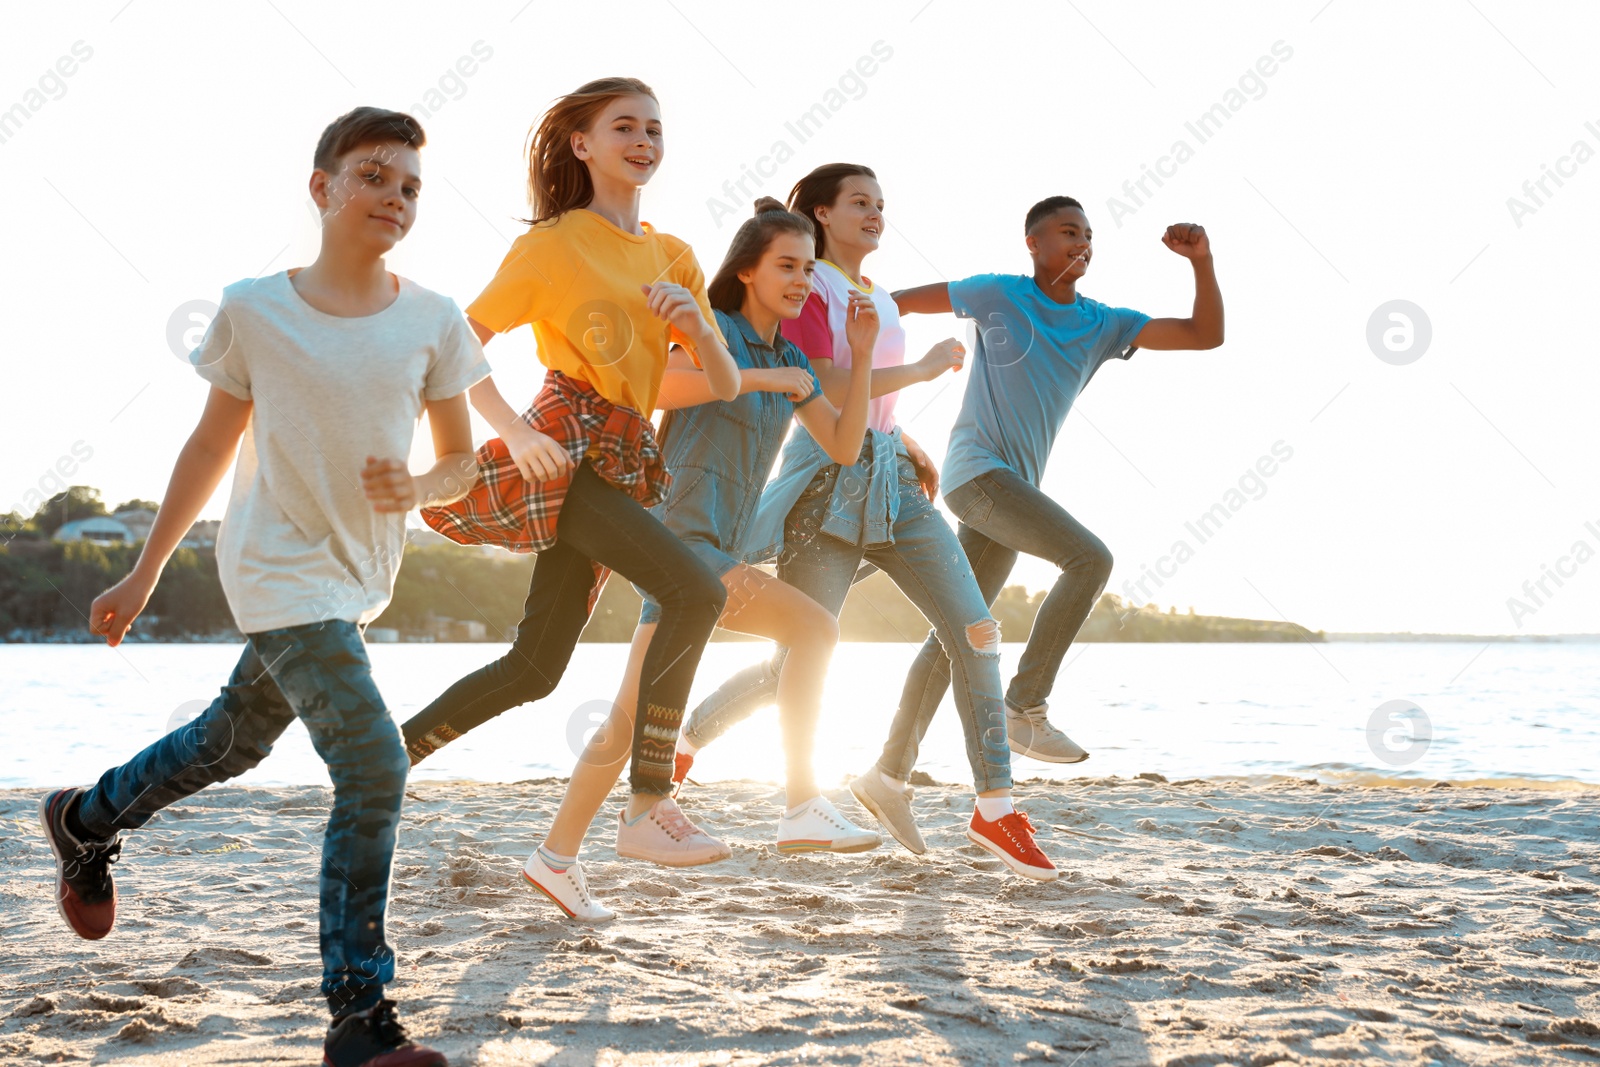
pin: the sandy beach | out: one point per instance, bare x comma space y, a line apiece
1196, 923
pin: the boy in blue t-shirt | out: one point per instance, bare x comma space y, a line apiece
1039, 343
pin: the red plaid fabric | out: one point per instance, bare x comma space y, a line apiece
504, 509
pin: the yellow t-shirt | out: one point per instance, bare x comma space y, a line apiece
577, 279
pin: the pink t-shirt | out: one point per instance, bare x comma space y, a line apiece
819, 332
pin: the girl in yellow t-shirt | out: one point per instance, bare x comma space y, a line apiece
571, 477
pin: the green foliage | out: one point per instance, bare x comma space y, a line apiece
76, 502
48, 587
454, 582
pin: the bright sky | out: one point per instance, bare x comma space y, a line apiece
1367, 155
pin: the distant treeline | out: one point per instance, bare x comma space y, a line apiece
46, 589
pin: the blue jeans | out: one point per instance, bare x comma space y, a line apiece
927, 563
319, 673
1001, 515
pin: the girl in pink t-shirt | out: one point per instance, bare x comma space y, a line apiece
879, 510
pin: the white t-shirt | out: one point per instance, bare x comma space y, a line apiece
300, 542
833, 286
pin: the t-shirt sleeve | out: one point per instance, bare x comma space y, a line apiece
221, 356
791, 356
689, 275
970, 295
1125, 326
809, 331
458, 362
523, 290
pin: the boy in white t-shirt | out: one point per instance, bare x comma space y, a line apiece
323, 373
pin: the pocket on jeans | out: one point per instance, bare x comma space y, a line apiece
975, 511
907, 471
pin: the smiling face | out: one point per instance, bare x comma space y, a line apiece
854, 220
371, 200
781, 281
1062, 244
624, 144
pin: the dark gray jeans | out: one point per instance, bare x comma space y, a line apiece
1002, 515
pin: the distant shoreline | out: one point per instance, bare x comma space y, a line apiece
83, 637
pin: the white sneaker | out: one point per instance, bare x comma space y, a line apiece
663, 834
566, 888
820, 827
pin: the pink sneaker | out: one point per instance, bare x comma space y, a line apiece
663, 834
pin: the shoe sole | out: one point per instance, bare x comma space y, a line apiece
669, 859
1043, 757
61, 877
865, 800
1037, 874
436, 1060
864, 845
557, 902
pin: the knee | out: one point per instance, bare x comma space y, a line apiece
211, 741
525, 682
983, 636
1092, 561
810, 628
700, 597
377, 764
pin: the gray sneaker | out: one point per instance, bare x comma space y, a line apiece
1032, 734
889, 806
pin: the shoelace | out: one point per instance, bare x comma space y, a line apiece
385, 1024
831, 816
674, 822
575, 876
1040, 718
1019, 821
93, 860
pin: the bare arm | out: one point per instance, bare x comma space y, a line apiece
946, 355
202, 462
1203, 329
390, 485
924, 300
685, 385
927, 473
840, 430
677, 305
536, 455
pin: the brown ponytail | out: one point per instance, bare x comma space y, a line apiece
750, 243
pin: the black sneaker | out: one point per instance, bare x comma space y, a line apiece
86, 897
375, 1038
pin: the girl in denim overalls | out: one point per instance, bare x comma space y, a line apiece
720, 454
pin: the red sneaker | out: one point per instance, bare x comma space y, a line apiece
86, 896
681, 762
1010, 837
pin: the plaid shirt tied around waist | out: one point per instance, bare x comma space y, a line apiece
506, 510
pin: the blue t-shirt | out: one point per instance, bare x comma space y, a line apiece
1033, 358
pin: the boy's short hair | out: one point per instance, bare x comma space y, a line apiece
365, 125
1047, 207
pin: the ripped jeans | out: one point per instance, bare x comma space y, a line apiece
927, 563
